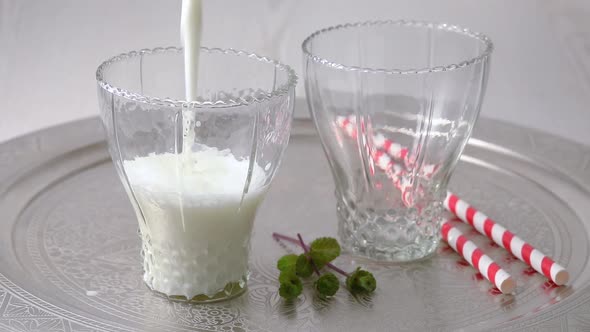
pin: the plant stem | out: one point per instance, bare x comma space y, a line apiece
337, 269
302, 244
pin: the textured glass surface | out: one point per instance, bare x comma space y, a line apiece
196, 171
394, 103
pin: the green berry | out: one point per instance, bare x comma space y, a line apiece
290, 285
327, 284
361, 282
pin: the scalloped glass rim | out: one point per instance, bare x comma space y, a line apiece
489, 47
168, 102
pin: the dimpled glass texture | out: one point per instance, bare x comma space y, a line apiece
394, 103
195, 248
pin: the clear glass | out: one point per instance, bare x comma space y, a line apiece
196, 172
394, 103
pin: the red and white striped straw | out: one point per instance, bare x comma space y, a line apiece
504, 238
394, 171
348, 123
475, 256
395, 150
382, 156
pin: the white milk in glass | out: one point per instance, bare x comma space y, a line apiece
210, 249
198, 220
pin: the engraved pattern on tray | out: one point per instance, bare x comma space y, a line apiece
78, 240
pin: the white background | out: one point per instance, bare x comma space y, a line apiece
49, 49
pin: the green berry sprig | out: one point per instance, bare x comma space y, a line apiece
315, 258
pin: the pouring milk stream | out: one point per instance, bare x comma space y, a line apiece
190, 37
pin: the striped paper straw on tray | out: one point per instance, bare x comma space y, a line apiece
397, 151
394, 172
382, 155
393, 149
506, 239
475, 256
348, 124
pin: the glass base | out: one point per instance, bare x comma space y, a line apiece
231, 290
391, 238
405, 255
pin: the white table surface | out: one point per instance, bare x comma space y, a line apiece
49, 50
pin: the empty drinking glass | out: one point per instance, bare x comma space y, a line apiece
394, 103
196, 172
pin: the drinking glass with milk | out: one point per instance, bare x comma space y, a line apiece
196, 145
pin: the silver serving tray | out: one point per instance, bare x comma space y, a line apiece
69, 248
